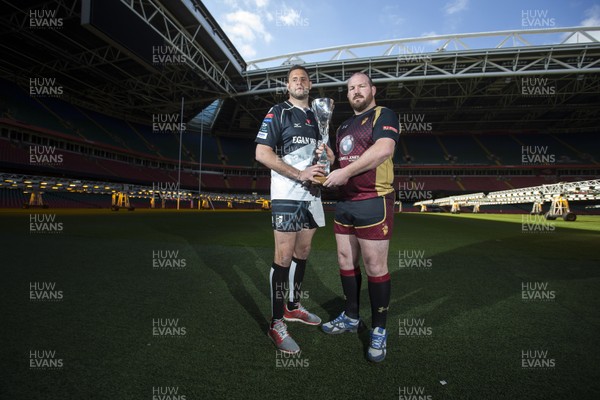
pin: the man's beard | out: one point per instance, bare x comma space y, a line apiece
360, 107
299, 94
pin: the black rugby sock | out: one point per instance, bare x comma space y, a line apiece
379, 293
278, 279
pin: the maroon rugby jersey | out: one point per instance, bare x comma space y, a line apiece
356, 135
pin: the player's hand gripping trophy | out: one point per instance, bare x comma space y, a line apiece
323, 110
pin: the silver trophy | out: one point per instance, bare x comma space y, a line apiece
323, 110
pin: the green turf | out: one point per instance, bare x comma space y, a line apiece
470, 300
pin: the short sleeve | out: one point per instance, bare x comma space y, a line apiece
269, 133
386, 126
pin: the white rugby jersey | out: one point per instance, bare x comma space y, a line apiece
293, 133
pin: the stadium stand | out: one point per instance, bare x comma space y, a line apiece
210, 152
127, 135
76, 200
424, 149
239, 152
10, 198
18, 105
119, 143
483, 184
427, 183
501, 149
77, 121
463, 150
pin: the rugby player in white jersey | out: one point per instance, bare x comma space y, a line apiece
286, 144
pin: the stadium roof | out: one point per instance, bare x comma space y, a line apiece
536, 80
132, 59
126, 58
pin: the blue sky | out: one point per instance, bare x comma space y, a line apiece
265, 28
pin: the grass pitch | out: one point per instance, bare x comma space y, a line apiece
458, 312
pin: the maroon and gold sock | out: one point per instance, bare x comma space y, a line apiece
379, 293
351, 281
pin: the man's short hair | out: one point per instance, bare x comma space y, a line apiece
295, 67
361, 73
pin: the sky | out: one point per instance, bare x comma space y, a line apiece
265, 28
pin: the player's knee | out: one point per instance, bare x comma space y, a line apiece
283, 260
345, 260
376, 269
302, 252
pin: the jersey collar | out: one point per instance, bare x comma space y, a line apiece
295, 106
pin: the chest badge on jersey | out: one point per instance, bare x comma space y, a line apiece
347, 145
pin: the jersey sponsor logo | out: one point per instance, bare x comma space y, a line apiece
347, 145
350, 159
390, 128
297, 125
303, 140
262, 135
267, 119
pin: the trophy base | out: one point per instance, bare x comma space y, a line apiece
321, 179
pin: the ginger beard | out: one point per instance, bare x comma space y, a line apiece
360, 102
361, 94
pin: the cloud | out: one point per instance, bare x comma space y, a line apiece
289, 17
593, 16
392, 22
245, 28
592, 19
235, 4
261, 3
245, 25
247, 50
434, 42
455, 6
391, 15
429, 34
